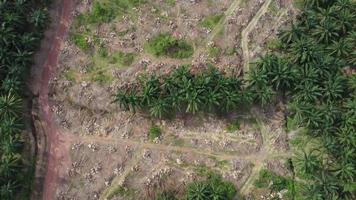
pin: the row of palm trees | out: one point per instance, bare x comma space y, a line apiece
183, 91
21, 27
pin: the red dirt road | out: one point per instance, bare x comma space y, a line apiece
57, 148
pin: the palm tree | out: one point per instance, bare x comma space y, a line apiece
327, 185
159, 108
127, 100
307, 92
340, 48
39, 18
292, 34
198, 191
325, 32
193, 100
8, 189
281, 75
10, 106
150, 91
9, 165
333, 88
10, 126
308, 163
345, 171
304, 51
11, 84
345, 20
9, 145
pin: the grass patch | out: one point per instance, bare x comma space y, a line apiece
214, 52
125, 59
178, 142
154, 132
171, 2
272, 181
166, 45
103, 52
106, 11
121, 191
233, 126
80, 41
211, 21
70, 75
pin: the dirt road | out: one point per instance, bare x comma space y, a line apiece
56, 150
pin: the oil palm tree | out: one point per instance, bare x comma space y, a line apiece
292, 34
10, 126
8, 189
10, 106
325, 32
281, 75
159, 108
39, 18
340, 48
333, 88
198, 191
10, 144
307, 92
9, 165
308, 162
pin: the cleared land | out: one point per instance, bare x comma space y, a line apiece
107, 153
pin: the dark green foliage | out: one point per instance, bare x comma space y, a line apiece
214, 188
321, 97
183, 91
166, 45
21, 27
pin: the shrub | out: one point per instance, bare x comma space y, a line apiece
166, 45
80, 41
211, 21
268, 179
154, 132
125, 59
233, 126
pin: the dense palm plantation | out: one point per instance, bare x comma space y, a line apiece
318, 48
311, 71
21, 26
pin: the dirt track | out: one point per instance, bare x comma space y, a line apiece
56, 155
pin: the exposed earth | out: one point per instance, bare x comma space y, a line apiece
98, 151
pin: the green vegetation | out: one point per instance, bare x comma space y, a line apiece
106, 11
274, 182
124, 59
154, 132
183, 91
121, 191
171, 2
211, 21
212, 187
214, 52
21, 27
308, 72
166, 45
80, 41
233, 126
